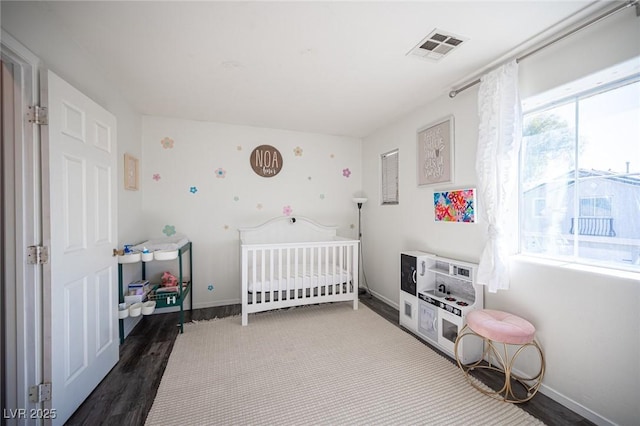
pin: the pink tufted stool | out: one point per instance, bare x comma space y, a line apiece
497, 327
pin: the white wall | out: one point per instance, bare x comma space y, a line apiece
588, 323
312, 184
29, 24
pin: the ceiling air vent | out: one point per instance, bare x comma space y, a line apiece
437, 44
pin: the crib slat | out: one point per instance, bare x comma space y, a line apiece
316, 277
318, 274
349, 265
295, 267
342, 265
333, 266
310, 272
263, 275
272, 284
325, 273
279, 277
304, 271
254, 272
288, 265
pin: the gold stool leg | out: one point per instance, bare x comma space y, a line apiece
530, 384
494, 360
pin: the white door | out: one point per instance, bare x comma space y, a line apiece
80, 302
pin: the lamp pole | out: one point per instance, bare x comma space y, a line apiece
359, 221
359, 202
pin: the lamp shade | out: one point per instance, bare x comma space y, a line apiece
360, 200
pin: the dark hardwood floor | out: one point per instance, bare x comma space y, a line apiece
126, 394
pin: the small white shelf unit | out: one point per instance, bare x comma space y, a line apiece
163, 299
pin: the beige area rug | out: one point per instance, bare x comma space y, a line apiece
317, 365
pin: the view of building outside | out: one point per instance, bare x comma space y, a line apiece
580, 177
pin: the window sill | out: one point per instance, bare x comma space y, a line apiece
616, 273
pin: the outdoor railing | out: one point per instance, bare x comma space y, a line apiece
596, 226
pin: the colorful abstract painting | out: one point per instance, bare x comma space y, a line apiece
455, 206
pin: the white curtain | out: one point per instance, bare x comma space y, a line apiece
497, 171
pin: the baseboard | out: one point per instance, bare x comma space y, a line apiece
199, 306
216, 303
575, 407
569, 403
384, 299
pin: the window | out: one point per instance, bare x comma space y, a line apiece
580, 176
595, 206
389, 190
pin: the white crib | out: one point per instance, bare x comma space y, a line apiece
291, 261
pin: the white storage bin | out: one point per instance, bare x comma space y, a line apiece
129, 258
148, 307
165, 254
123, 310
135, 310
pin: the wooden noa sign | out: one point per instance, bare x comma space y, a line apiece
266, 161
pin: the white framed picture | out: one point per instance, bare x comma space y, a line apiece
131, 173
435, 151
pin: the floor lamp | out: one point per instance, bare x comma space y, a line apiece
360, 201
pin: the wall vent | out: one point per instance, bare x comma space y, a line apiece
437, 45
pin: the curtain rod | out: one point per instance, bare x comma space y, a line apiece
629, 3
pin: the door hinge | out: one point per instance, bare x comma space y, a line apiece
40, 393
38, 115
37, 255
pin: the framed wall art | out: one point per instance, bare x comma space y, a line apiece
131, 172
435, 153
458, 205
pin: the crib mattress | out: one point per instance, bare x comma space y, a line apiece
325, 276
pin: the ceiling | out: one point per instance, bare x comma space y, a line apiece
338, 68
